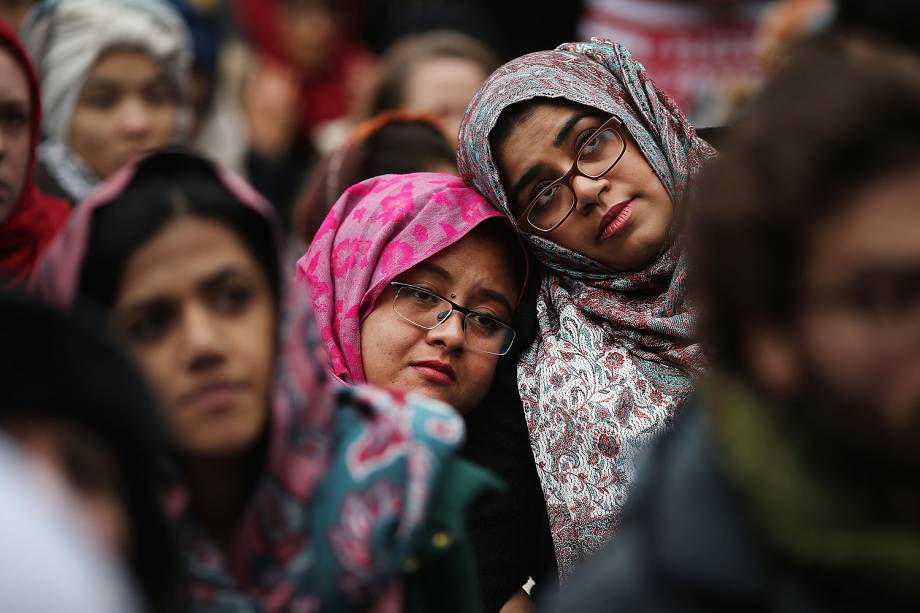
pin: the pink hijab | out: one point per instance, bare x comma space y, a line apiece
377, 230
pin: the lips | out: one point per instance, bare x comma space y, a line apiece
435, 371
213, 397
614, 220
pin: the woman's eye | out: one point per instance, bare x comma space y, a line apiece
484, 322
423, 297
231, 299
544, 198
591, 145
101, 102
13, 119
150, 325
159, 94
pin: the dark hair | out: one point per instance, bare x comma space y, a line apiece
392, 143
833, 121
64, 371
165, 186
407, 54
891, 22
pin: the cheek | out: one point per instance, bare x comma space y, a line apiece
256, 343
160, 368
479, 372
164, 120
19, 151
844, 355
385, 344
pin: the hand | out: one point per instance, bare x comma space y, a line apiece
520, 602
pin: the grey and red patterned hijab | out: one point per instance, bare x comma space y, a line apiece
614, 355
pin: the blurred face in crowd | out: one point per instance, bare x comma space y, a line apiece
439, 363
855, 350
127, 105
197, 311
306, 29
621, 219
443, 87
15, 132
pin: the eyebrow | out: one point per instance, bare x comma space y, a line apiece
568, 126
532, 173
434, 268
107, 83
220, 277
212, 282
497, 297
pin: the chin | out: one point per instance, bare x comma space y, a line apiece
218, 441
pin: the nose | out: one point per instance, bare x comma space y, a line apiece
135, 120
588, 191
202, 346
448, 334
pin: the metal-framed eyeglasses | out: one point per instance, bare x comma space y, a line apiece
428, 310
594, 158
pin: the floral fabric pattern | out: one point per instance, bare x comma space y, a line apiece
614, 355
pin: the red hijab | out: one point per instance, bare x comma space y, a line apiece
35, 217
324, 97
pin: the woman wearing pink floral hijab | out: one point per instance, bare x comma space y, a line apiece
414, 280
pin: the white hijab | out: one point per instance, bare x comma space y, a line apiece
66, 37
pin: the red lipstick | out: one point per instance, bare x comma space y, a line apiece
435, 371
614, 220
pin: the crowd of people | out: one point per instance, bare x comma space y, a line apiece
315, 306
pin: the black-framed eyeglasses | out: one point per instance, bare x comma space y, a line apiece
594, 158
428, 310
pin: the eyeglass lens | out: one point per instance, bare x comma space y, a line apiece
428, 310
595, 158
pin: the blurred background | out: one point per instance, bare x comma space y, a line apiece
284, 90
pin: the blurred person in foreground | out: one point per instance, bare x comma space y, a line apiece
46, 564
115, 82
29, 219
792, 484
84, 417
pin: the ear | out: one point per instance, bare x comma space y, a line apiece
774, 359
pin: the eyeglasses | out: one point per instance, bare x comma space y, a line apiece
594, 158
428, 310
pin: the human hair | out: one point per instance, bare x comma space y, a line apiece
394, 142
894, 22
401, 60
499, 232
165, 187
834, 121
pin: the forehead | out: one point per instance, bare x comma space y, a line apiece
182, 254
13, 82
125, 66
879, 225
486, 257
